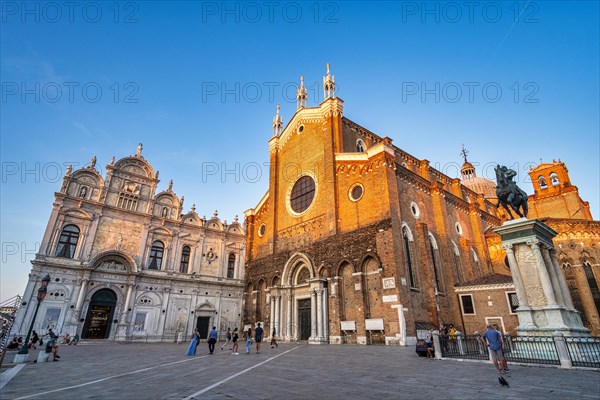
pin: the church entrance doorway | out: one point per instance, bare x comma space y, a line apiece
304, 318
99, 317
202, 324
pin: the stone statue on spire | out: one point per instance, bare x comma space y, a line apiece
277, 123
170, 185
301, 94
93, 162
328, 84
138, 153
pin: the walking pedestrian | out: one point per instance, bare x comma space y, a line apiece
273, 339
258, 334
228, 338
248, 340
34, 339
503, 362
493, 340
212, 339
234, 338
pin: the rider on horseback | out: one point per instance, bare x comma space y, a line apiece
509, 193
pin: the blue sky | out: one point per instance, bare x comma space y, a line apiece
198, 83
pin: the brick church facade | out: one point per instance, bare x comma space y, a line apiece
357, 241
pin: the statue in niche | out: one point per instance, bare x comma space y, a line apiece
83, 192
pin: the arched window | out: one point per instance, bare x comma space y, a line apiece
67, 243
435, 259
260, 299
409, 265
476, 266
156, 255
303, 276
360, 146
589, 274
554, 179
457, 265
542, 182
231, 266
185, 259
573, 289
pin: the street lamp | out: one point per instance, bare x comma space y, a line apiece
41, 294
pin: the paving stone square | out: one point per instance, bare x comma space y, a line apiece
291, 371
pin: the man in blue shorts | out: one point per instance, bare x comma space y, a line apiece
493, 340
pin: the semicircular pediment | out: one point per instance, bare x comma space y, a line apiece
113, 261
135, 165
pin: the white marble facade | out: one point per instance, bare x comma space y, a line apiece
127, 263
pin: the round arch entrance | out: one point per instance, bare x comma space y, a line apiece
99, 316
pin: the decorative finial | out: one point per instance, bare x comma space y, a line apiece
112, 160
328, 84
69, 170
170, 185
301, 94
216, 214
277, 123
139, 150
194, 207
204, 217
235, 220
464, 152
93, 162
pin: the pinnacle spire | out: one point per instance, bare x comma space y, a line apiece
277, 122
328, 84
301, 94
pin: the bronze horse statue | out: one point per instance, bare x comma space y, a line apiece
508, 193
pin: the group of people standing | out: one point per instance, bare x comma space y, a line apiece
232, 337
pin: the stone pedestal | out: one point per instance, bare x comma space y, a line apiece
21, 358
545, 304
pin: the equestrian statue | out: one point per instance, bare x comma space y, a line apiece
508, 193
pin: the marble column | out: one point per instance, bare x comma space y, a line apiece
325, 314
82, 292
563, 284
289, 317
319, 293
543, 273
125, 312
277, 314
553, 277
516, 274
313, 313
272, 315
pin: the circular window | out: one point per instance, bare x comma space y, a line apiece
414, 208
356, 192
302, 194
261, 230
301, 129
458, 228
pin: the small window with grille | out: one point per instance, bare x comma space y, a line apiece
513, 302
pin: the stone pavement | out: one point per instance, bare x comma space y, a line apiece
292, 371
